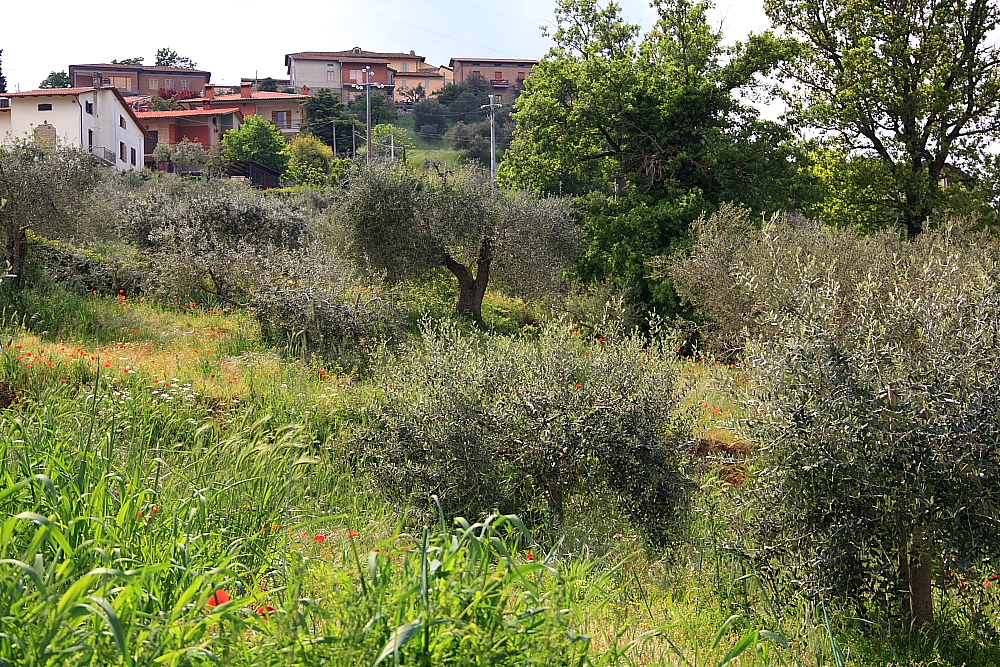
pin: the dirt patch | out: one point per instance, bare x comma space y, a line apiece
8, 396
727, 456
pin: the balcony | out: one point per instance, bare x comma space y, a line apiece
500, 83
104, 154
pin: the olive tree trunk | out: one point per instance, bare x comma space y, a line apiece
921, 575
472, 288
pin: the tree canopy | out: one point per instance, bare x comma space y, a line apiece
915, 86
651, 128
258, 140
405, 224
138, 60
327, 118
56, 80
167, 57
3, 79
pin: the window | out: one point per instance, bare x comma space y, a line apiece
45, 107
168, 83
331, 75
476, 72
476, 64
121, 122
356, 75
122, 82
498, 76
132, 155
403, 83
154, 84
427, 84
283, 119
520, 75
185, 84
406, 67
90, 139
88, 107
122, 151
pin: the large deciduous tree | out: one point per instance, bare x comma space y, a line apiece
912, 83
651, 127
405, 224
3, 79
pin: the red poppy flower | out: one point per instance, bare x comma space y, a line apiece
219, 597
265, 611
352, 534
322, 538
531, 556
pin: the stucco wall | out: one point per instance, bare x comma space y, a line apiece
72, 124
313, 73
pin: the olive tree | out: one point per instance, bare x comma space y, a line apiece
877, 408
46, 190
405, 223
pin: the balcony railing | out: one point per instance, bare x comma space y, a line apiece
105, 154
500, 83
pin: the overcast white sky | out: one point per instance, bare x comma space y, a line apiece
243, 37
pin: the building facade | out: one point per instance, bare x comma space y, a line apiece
504, 76
205, 126
95, 119
139, 79
282, 109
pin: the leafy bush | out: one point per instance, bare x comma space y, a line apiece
504, 424
878, 413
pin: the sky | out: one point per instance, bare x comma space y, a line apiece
245, 38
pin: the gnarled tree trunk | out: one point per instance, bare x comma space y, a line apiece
472, 288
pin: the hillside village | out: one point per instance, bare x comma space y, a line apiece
125, 114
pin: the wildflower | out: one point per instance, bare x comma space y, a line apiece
987, 584
264, 611
352, 534
326, 377
274, 527
322, 538
994, 577
530, 556
219, 597
139, 516
63, 380
578, 385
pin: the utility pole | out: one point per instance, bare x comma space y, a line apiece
392, 143
334, 138
367, 87
493, 106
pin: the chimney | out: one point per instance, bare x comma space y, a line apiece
246, 89
98, 78
412, 52
305, 90
209, 91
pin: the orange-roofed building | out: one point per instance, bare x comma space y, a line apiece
205, 126
282, 109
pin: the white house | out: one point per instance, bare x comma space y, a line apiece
95, 119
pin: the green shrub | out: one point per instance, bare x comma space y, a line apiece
518, 425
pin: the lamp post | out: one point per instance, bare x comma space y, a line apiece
367, 87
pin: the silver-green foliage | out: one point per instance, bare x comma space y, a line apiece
520, 425
876, 368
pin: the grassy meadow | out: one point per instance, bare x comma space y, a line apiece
176, 492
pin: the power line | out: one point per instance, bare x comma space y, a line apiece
515, 18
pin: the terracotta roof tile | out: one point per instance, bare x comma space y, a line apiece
331, 55
186, 113
50, 92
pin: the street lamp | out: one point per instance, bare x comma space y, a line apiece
367, 87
